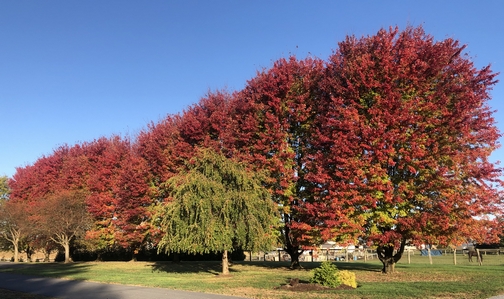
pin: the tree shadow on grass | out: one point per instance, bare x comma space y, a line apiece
212, 267
44, 269
361, 266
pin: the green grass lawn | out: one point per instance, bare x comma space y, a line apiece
442, 279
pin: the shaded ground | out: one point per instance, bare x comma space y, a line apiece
8, 294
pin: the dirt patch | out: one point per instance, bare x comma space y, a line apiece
297, 285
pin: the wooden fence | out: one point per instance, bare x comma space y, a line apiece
313, 255
347, 255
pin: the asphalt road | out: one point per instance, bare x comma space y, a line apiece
75, 289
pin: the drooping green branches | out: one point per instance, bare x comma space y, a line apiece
217, 205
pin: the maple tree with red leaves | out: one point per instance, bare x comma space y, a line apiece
35, 181
118, 196
273, 129
115, 182
166, 146
133, 212
409, 137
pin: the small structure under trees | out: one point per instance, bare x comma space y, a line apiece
217, 206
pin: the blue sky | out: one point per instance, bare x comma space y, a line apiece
74, 71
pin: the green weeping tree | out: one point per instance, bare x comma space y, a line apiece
217, 205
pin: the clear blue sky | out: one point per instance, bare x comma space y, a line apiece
73, 71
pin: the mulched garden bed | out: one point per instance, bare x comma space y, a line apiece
303, 286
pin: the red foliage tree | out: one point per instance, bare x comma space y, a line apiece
409, 136
273, 129
119, 195
114, 178
104, 157
35, 181
132, 210
167, 145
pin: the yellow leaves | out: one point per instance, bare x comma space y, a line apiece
285, 209
385, 218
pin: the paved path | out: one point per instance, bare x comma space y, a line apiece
75, 289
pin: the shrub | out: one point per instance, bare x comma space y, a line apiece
326, 275
347, 278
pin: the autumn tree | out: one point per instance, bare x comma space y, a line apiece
166, 146
133, 213
29, 185
501, 234
62, 217
104, 156
111, 175
14, 223
272, 128
217, 206
4, 195
409, 136
32, 182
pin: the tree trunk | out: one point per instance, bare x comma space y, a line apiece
14, 238
455, 256
99, 257
29, 252
16, 251
294, 253
292, 250
66, 246
176, 257
388, 258
430, 255
134, 255
47, 254
225, 265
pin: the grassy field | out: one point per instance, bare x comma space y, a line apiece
259, 280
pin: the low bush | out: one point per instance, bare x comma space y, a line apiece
326, 275
347, 278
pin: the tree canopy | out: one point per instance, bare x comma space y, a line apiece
63, 217
217, 206
14, 223
420, 132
